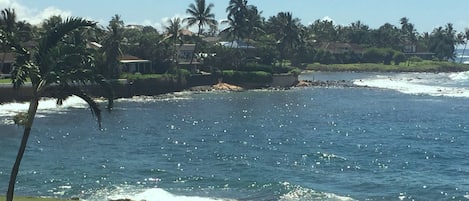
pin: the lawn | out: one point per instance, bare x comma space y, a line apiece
423, 66
20, 198
6, 80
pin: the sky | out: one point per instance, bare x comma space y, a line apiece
424, 14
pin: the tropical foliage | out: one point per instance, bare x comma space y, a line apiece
58, 68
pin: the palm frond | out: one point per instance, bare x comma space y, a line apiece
54, 36
95, 110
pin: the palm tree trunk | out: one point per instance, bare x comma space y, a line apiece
463, 51
27, 130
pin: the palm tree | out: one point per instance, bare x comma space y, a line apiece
112, 47
287, 33
8, 26
174, 33
60, 66
465, 37
200, 15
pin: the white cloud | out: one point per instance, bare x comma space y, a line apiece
327, 18
31, 15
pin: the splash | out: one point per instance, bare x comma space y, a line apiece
45, 106
153, 194
298, 193
443, 84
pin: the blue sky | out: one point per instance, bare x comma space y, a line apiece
425, 14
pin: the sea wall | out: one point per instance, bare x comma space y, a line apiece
147, 87
284, 80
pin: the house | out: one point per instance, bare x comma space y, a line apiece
241, 45
6, 64
184, 54
133, 64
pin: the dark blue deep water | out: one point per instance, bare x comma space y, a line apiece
298, 144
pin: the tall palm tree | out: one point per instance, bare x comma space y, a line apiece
8, 26
61, 65
174, 33
200, 15
465, 37
287, 31
112, 47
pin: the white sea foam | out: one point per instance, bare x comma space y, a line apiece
442, 84
461, 76
45, 106
298, 193
153, 194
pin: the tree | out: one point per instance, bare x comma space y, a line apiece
60, 66
200, 15
8, 27
465, 37
112, 47
443, 41
287, 31
174, 33
409, 35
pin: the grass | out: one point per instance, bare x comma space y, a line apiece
423, 66
5, 81
22, 198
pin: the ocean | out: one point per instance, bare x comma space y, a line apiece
402, 137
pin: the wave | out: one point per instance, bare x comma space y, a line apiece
442, 84
175, 96
152, 194
461, 76
289, 192
46, 106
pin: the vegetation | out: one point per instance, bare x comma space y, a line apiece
61, 61
19, 198
423, 66
59, 66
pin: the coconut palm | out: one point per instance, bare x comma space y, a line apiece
287, 31
8, 27
174, 33
465, 39
200, 15
112, 47
60, 66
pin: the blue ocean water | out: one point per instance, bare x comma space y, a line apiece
402, 138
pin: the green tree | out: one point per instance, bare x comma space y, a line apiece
173, 31
59, 66
465, 37
112, 47
8, 27
442, 42
409, 34
358, 33
387, 36
287, 31
200, 15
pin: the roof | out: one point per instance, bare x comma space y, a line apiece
186, 47
132, 59
236, 44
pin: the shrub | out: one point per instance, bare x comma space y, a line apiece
415, 59
398, 58
373, 55
247, 77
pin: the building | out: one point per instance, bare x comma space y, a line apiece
133, 64
184, 54
6, 64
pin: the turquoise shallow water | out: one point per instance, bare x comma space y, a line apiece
299, 144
